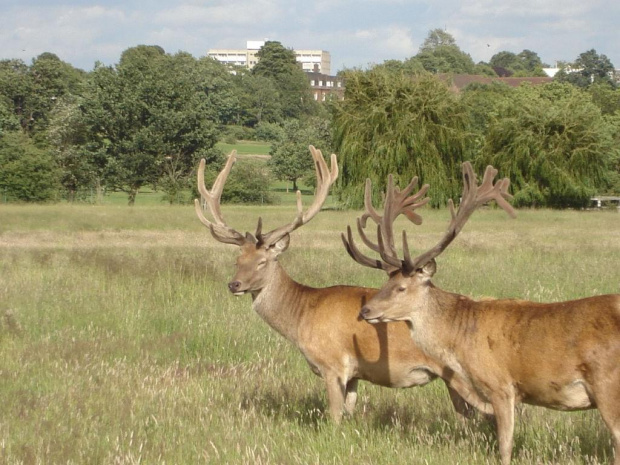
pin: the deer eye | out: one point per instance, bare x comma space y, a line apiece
401, 289
261, 263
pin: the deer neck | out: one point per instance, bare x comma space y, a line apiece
438, 322
280, 303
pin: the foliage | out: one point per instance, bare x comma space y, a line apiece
269, 132
248, 183
151, 105
279, 64
34, 90
27, 172
589, 68
290, 157
606, 97
553, 144
440, 54
526, 63
400, 124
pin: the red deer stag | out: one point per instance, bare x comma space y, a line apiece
564, 356
323, 324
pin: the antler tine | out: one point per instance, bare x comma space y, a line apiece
359, 257
219, 229
397, 202
325, 177
473, 197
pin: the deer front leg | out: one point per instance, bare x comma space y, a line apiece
350, 397
336, 391
504, 407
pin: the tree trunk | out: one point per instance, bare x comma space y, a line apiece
132, 196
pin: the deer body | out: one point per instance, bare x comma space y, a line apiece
564, 356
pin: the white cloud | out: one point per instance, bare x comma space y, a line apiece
235, 12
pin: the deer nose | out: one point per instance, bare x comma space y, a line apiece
234, 286
364, 312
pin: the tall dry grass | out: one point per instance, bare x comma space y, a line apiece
119, 342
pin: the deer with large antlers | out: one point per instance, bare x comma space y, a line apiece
324, 323
564, 356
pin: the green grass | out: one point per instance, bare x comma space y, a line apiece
119, 342
246, 147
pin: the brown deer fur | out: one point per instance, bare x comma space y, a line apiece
564, 356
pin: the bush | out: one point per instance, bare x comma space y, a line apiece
27, 172
248, 183
269, 132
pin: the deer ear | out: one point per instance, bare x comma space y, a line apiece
429, 269
281, 245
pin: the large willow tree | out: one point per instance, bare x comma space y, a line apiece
391, 122
553, 144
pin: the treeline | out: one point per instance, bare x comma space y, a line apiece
146, 121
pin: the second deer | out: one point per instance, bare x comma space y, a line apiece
564, 356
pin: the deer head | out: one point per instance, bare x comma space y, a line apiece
410, 278
259, 251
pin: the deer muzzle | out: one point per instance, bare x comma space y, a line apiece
235, 287
366, 313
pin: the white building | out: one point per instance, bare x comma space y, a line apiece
311, 60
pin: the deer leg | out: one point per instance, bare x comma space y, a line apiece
504, 407
336, 391
609, 408
350, 397
461, 407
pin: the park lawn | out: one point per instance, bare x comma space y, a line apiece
119, 342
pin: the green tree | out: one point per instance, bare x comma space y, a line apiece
526, 63
606, 97
440, 54
290, 158
589, 68
34, 90
259, 100
150, 106
67, 135
553, 144
27, 173
280, 65
400, 124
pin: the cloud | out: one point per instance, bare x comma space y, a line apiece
233, 12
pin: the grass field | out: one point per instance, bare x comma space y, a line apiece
119, 342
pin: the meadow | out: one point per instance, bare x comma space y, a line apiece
119, 342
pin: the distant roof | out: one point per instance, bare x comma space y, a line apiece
459, 81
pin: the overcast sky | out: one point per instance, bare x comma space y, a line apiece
357, 33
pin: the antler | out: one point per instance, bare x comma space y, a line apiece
397, 202
223, 233
219, 229
324, 179
473, 197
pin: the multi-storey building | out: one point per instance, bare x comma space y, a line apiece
309, 59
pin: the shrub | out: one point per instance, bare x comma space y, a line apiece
27, 172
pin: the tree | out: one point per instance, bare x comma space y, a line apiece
440, 54
289, 155
589, 68
67, 135
526, 63
27, 172
150, 106
552, 143
400, 124
280, 65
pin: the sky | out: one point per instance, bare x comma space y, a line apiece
357, 33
